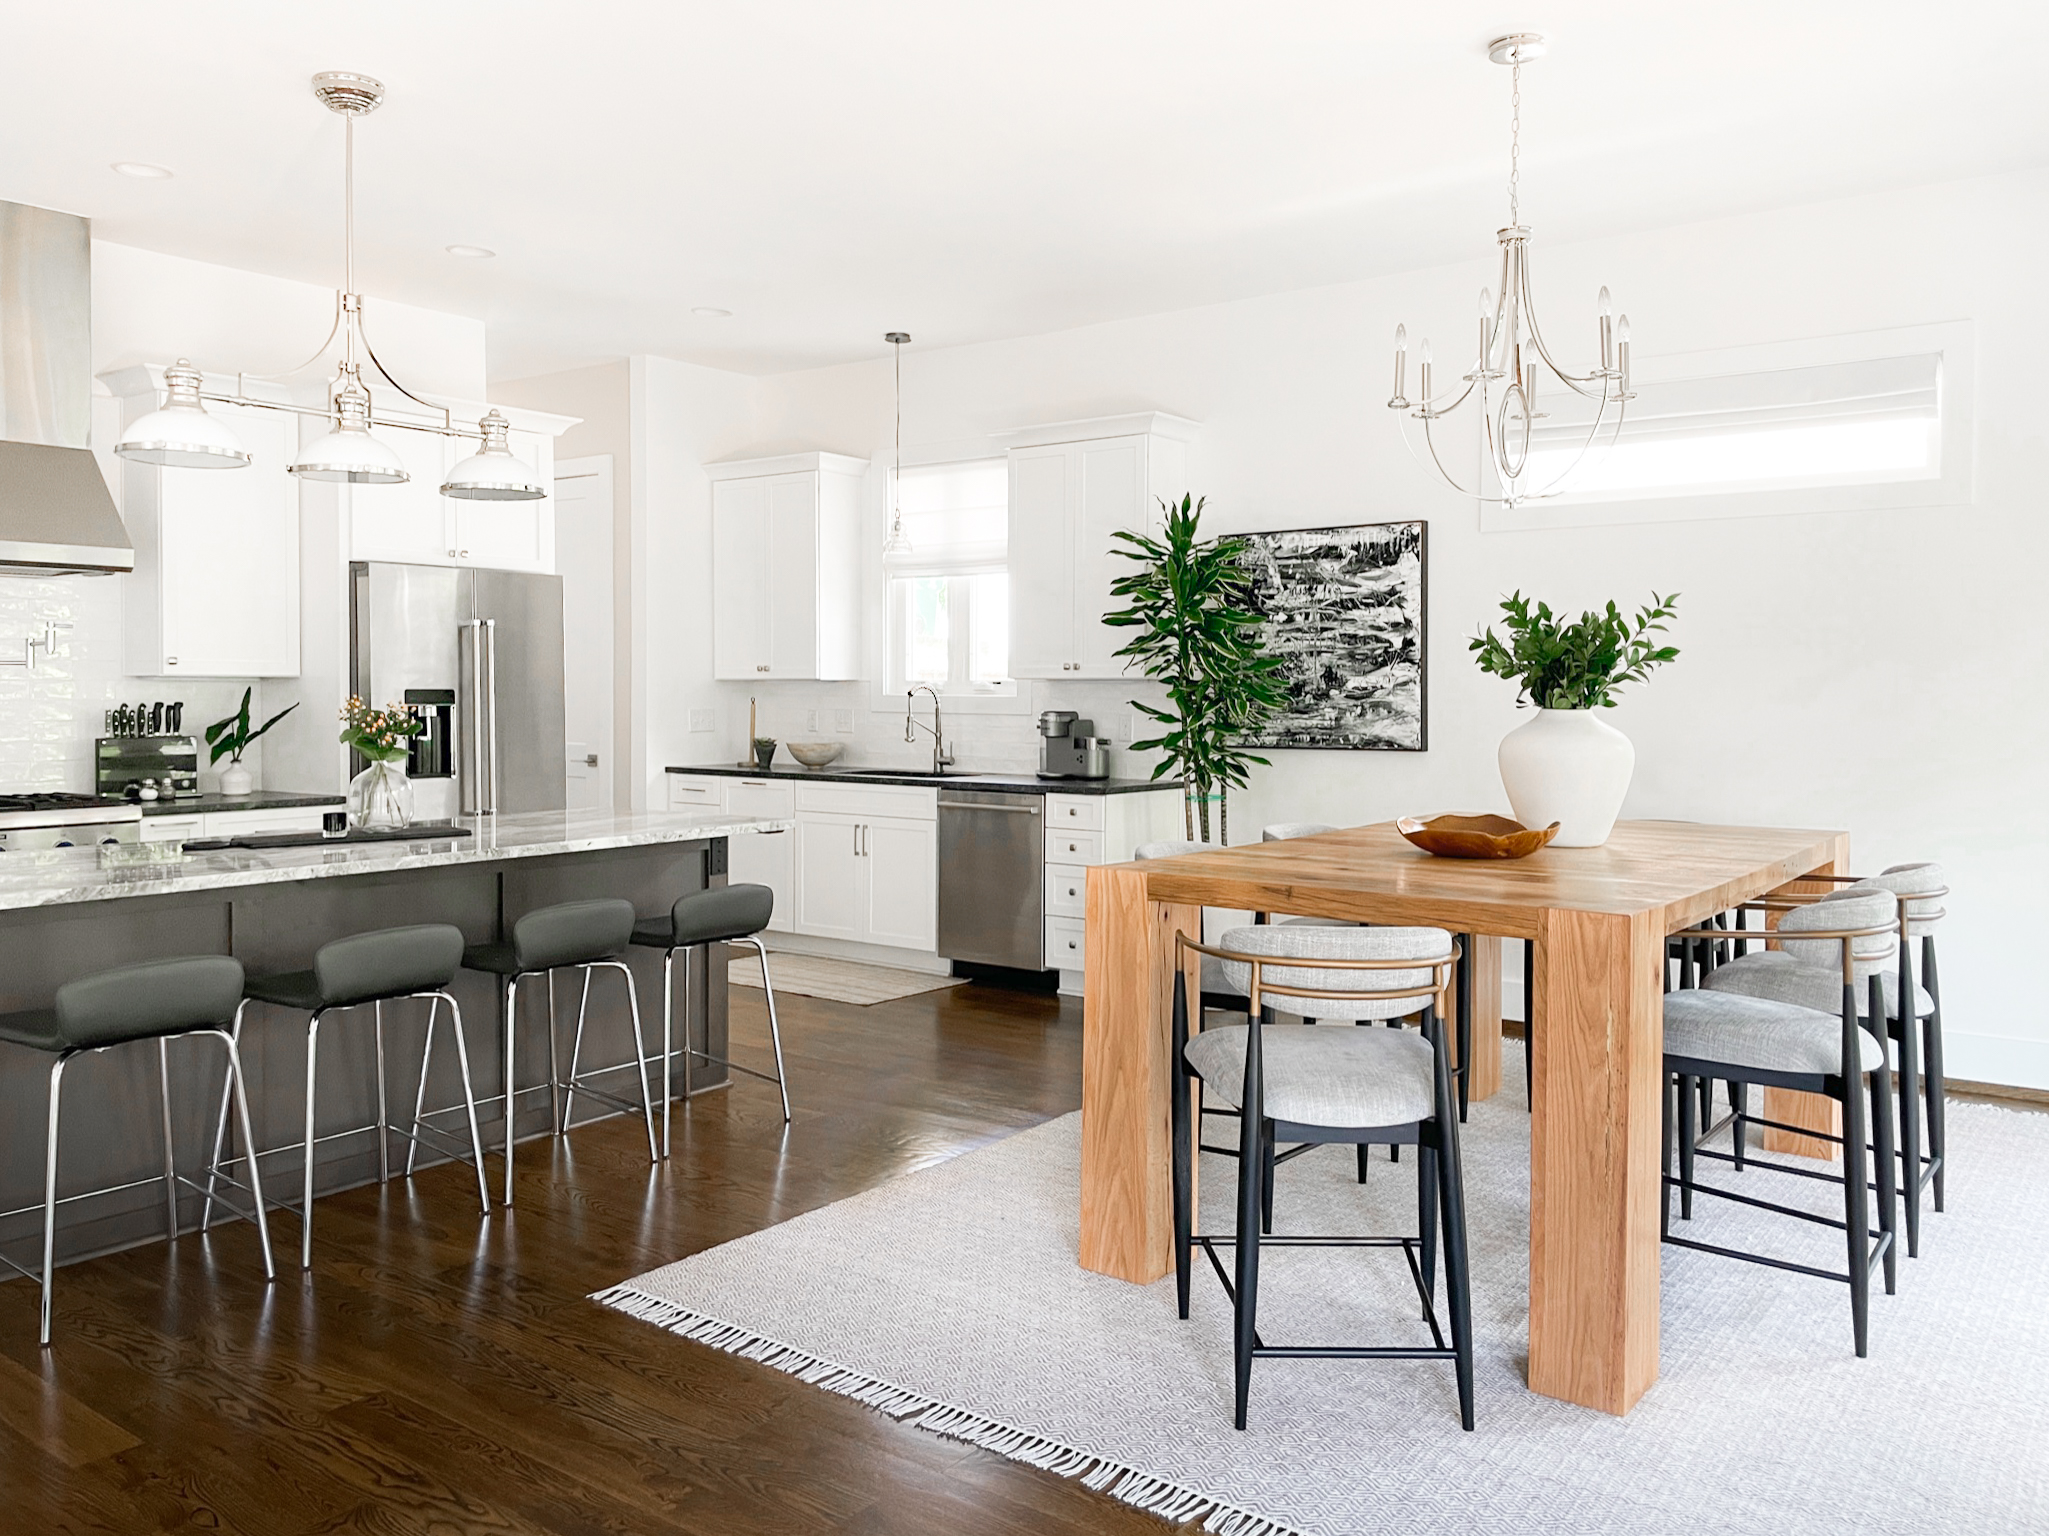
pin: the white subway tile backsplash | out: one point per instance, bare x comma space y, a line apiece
50, 716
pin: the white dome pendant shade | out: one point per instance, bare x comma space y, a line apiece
349, 453
179, 433
492, 473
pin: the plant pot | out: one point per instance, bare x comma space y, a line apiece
381, 796
1571, 767
236, 780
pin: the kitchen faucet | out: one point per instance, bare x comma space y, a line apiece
941, 758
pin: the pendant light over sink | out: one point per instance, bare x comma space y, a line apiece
182, 434
898, 542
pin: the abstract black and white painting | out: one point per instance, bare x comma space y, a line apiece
1345, 609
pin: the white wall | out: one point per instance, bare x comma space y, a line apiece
1882, 672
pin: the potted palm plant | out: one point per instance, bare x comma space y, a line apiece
1198, 634
231, 737
1567, 765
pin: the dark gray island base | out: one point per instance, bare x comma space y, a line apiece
62, 915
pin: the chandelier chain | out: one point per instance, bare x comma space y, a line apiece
1515, 143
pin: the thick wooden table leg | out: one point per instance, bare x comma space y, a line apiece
1486, 1067
1127, 1195
1807, 1109
1595, 1164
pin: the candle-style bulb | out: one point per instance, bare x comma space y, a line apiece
1622, 330
1486, 304
1604, 304
1401, 338
1426, 349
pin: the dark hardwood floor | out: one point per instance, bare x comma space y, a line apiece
434, 1376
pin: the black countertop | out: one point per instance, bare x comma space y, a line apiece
255, 800
1015, 783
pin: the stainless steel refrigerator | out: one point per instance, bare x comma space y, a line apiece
479, 655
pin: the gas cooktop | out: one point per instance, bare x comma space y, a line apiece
66, 821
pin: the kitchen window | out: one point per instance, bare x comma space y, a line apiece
1843, 423
949, 596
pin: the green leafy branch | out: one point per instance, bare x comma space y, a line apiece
1577, 665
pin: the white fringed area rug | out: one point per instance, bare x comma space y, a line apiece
951, 1299
840, 981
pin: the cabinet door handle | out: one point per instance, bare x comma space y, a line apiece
462, 554
170, 661
451, 554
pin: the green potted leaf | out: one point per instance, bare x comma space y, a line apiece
230, 738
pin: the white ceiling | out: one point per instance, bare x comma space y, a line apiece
964, 169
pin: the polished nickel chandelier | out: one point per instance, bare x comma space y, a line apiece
1503, 379
180, 433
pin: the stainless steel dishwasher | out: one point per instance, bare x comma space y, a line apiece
992, 888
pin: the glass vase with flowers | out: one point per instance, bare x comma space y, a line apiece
381, 795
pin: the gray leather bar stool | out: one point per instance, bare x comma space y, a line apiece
387, 965
731, 914
582, 936
160, 1000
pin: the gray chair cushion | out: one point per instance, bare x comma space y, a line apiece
389, 962
1285, 831
1780, 977
1313, 941
708, 917
133, 1002
1323, 1074
1854, 906
572, 933
1909, 880
1169, 848
1734, 1030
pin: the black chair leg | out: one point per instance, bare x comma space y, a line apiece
1266, 1186
1689, 1100
1365, 1162
1910, 1127
1668, 1101
1245, 1308
1427, 1197
1888, 1167
1450, 1183
1739, 1107
1394, 1154
1857, 1215
1931, 1063
1184, 1150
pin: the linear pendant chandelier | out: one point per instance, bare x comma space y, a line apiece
1503, 379
181, 433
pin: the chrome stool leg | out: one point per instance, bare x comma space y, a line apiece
775, 1030
420, 1092
555, 1110
383, 1111
220, 1130
312, 1072
668, 1038
170, 1163
583, 1003
511, 1009
50, 1190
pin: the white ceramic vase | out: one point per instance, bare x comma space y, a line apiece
1568, 766
235, 779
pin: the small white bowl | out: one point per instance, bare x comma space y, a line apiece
817, 754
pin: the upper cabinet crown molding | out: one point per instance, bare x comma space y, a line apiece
1177, 429
786, 464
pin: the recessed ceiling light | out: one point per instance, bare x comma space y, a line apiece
143, 169
712, 312
477, 251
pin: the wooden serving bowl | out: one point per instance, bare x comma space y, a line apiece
1475, 837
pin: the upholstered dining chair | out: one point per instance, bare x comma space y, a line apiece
1737, 1037
1799, 972
1311, 1083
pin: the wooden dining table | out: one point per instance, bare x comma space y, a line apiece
1598, 919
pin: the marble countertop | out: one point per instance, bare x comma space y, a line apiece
962, 778
62, 876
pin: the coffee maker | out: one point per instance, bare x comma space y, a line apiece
1069, 747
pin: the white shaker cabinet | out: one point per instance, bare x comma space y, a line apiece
414, 524
786, 555
215, 589
1072, 486
868, 864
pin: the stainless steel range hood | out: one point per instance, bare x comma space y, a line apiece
56, 517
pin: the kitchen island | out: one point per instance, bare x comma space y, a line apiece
68, 913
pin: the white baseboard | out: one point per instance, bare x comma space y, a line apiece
1996, 1059
924, 962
